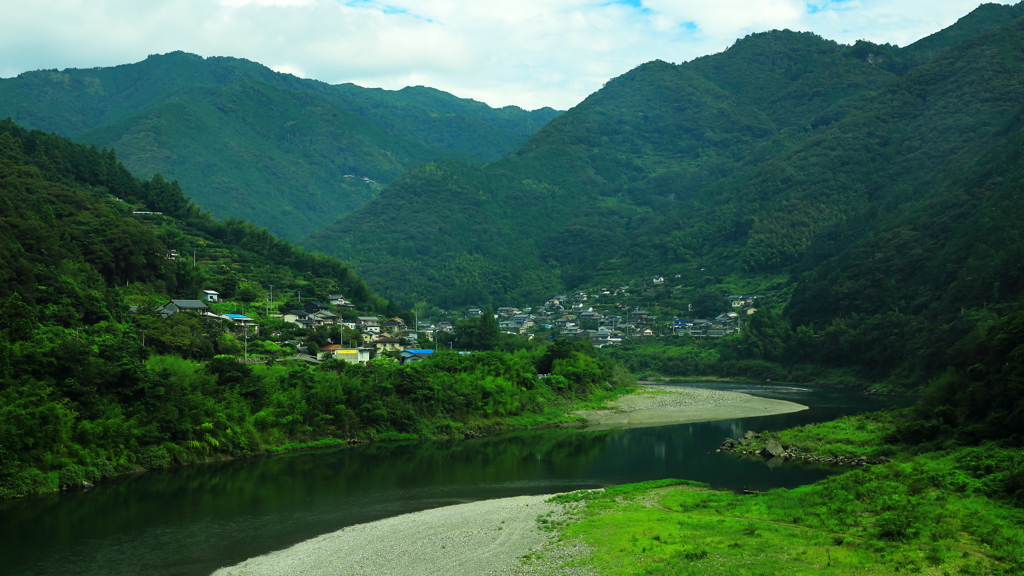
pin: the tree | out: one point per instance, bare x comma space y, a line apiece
707, 304
19, 319
488, 334
766, 334
561, 349
164, 196
480, 333
249, 292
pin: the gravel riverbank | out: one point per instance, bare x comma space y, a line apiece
658, 405
485, 538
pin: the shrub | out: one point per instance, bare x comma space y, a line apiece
21, 483
154, 457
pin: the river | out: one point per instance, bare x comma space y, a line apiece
193, 520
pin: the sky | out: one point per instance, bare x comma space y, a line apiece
527, 53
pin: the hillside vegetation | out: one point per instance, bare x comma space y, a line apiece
96, 380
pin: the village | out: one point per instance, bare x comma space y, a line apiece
316, 330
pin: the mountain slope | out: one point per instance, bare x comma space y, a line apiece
262, 154
734, 162
249, 142
78, 233
959, 248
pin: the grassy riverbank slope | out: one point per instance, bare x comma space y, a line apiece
917, 516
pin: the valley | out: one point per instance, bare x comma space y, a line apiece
232, 295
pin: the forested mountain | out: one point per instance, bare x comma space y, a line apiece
247, 142
762, 161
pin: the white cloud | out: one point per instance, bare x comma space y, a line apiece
530, 53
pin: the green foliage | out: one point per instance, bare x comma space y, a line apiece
249, 292
94, 421
708, 304
766, 335
478, 333
980, 397
860, 436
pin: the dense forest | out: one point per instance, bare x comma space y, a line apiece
285, 153
96, 380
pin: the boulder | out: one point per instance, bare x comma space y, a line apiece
775, 449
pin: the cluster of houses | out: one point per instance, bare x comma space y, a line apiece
568, 315
574, 318
744, 304
375, 336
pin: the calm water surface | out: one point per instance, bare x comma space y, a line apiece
193, 520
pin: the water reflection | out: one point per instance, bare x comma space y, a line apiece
193, 520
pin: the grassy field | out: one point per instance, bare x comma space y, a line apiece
938, 513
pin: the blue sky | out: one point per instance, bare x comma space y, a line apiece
529, 53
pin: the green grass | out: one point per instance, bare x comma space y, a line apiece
893, 519
861, 435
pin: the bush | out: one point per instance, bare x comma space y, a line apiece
70, 476
25, 482
154, 458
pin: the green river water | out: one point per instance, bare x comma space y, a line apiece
193, 520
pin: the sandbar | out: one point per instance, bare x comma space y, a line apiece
659, 405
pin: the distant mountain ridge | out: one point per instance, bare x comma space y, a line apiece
284, 152
754, 162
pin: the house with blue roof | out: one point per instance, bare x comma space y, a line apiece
413, 356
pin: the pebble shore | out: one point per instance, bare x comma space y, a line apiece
486, 538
